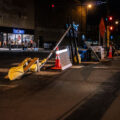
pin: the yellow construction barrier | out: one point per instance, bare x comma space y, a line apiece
15, 72
33, 68
27, 65
24, 62
79, 58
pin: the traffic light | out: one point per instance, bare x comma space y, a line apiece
52, 5
110, 18
111, 37
111, 28
106, 19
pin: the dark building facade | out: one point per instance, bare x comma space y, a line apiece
41, 20
53, 15
16, 21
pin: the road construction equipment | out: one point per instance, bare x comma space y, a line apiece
89, 47
33, 68
79, 58
110, 52
57, 61
15, 72
32, 65
22, 68
18, 68
51, 53
62, 60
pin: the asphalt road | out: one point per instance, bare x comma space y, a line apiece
85, 92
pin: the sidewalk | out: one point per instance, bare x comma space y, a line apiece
21, 50
12, 49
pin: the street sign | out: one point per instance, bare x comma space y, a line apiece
18, 31
102, 28
73, 32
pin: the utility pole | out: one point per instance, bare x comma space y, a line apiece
108, 36
75, 42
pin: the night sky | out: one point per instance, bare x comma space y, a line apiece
115, 8
112, 8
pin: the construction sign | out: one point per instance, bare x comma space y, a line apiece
102, 28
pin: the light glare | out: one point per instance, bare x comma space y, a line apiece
89, 6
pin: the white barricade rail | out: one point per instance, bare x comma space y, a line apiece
99, 49
64, 59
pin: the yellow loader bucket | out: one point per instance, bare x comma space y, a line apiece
33, 68
15, 72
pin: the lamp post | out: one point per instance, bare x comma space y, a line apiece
82, 12
116, 22
89, 6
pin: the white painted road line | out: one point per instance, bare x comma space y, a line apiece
102, 67
77, 67
7, 87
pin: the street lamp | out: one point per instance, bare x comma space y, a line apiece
111, 28
89, 6
116, 22
117, 25
110, 18
82, 11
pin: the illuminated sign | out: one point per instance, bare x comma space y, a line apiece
74, 32
111, 37
75, 26
18, 31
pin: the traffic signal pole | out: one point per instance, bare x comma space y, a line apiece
109, 29
71, 49
75, 44
108, 36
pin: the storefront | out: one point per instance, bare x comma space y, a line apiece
15, 37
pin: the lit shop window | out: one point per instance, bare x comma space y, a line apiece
28, 38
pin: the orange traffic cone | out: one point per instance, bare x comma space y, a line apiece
57, 61
110, 52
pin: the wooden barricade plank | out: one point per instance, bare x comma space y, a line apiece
30, 64
24, 61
